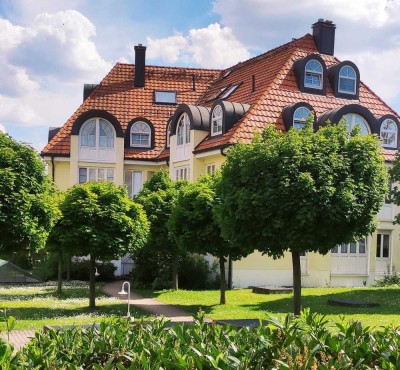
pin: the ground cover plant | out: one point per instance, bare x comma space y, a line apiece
242, 303
39, 305
293, 343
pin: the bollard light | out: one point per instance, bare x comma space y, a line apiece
124, 292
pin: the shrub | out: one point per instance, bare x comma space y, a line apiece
391, 278
304, 343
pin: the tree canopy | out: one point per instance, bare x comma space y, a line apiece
301, 191
98, 219
160, 251
27, 208
194, 227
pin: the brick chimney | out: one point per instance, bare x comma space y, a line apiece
140, 65
324, 36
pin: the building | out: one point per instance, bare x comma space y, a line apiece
142, 118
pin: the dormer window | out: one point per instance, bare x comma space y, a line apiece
313, 74
140, 135
347, 80
388, 133
183, 130
216, 121
353, 120
164, 97
97, 133
300, 117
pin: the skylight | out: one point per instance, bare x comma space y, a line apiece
217, 93
230, 91
164, 97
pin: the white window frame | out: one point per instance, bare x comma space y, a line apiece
97, 125
133, 179
142, 133
182, 173
383, 234
347, 77
217, 116
164, 97
96, 174
351, 122
183, 130
210, 168
353, 248
229, 91
299, 118
313, 72
384, 131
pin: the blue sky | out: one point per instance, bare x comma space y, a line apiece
50, 48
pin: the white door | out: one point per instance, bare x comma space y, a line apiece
382, 262
350, 259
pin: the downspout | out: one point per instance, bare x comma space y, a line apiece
53, 170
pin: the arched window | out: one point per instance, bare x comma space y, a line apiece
216, 120
347, 80
300, 116
168, 133
389, 133
313, 74
97, 133
353, 120
141, 135
183, 130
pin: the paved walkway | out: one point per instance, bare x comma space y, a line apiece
20, 338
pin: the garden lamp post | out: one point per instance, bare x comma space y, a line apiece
124, 292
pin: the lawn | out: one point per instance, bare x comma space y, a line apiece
38, 305
242, 303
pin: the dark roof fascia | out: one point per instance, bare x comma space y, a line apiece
221, 146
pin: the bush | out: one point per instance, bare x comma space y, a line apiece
391, 278
80, 270
307, 342
155, 272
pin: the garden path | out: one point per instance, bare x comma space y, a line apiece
150, 305
20, 338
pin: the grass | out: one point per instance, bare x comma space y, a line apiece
243, 304
36, 306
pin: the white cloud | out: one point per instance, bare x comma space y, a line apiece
211, 47
10, 35
2, 128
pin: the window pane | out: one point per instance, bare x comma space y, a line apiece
137, 182
378, 245
334, 249
343, 248
128, 182
166, 97
110, 174
100, 174
385, 246
353, 248
347, 84
82, 175
361, 246
106, 139
92, 174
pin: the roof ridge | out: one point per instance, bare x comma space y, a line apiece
265, 93
171, 67
274, 50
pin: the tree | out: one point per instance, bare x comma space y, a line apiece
195, 228
160, 252
301, 191
27, 209
98, 219
394, 190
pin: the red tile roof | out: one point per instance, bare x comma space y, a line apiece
276, 88
117, 95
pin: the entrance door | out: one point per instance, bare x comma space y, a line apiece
382, 264
350, 259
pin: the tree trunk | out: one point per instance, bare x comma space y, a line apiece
59, 272
68, 267
296, 283
92, 284
222, 287
230, 273
175, 273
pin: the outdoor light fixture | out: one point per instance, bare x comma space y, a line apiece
96, 273
124, 292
